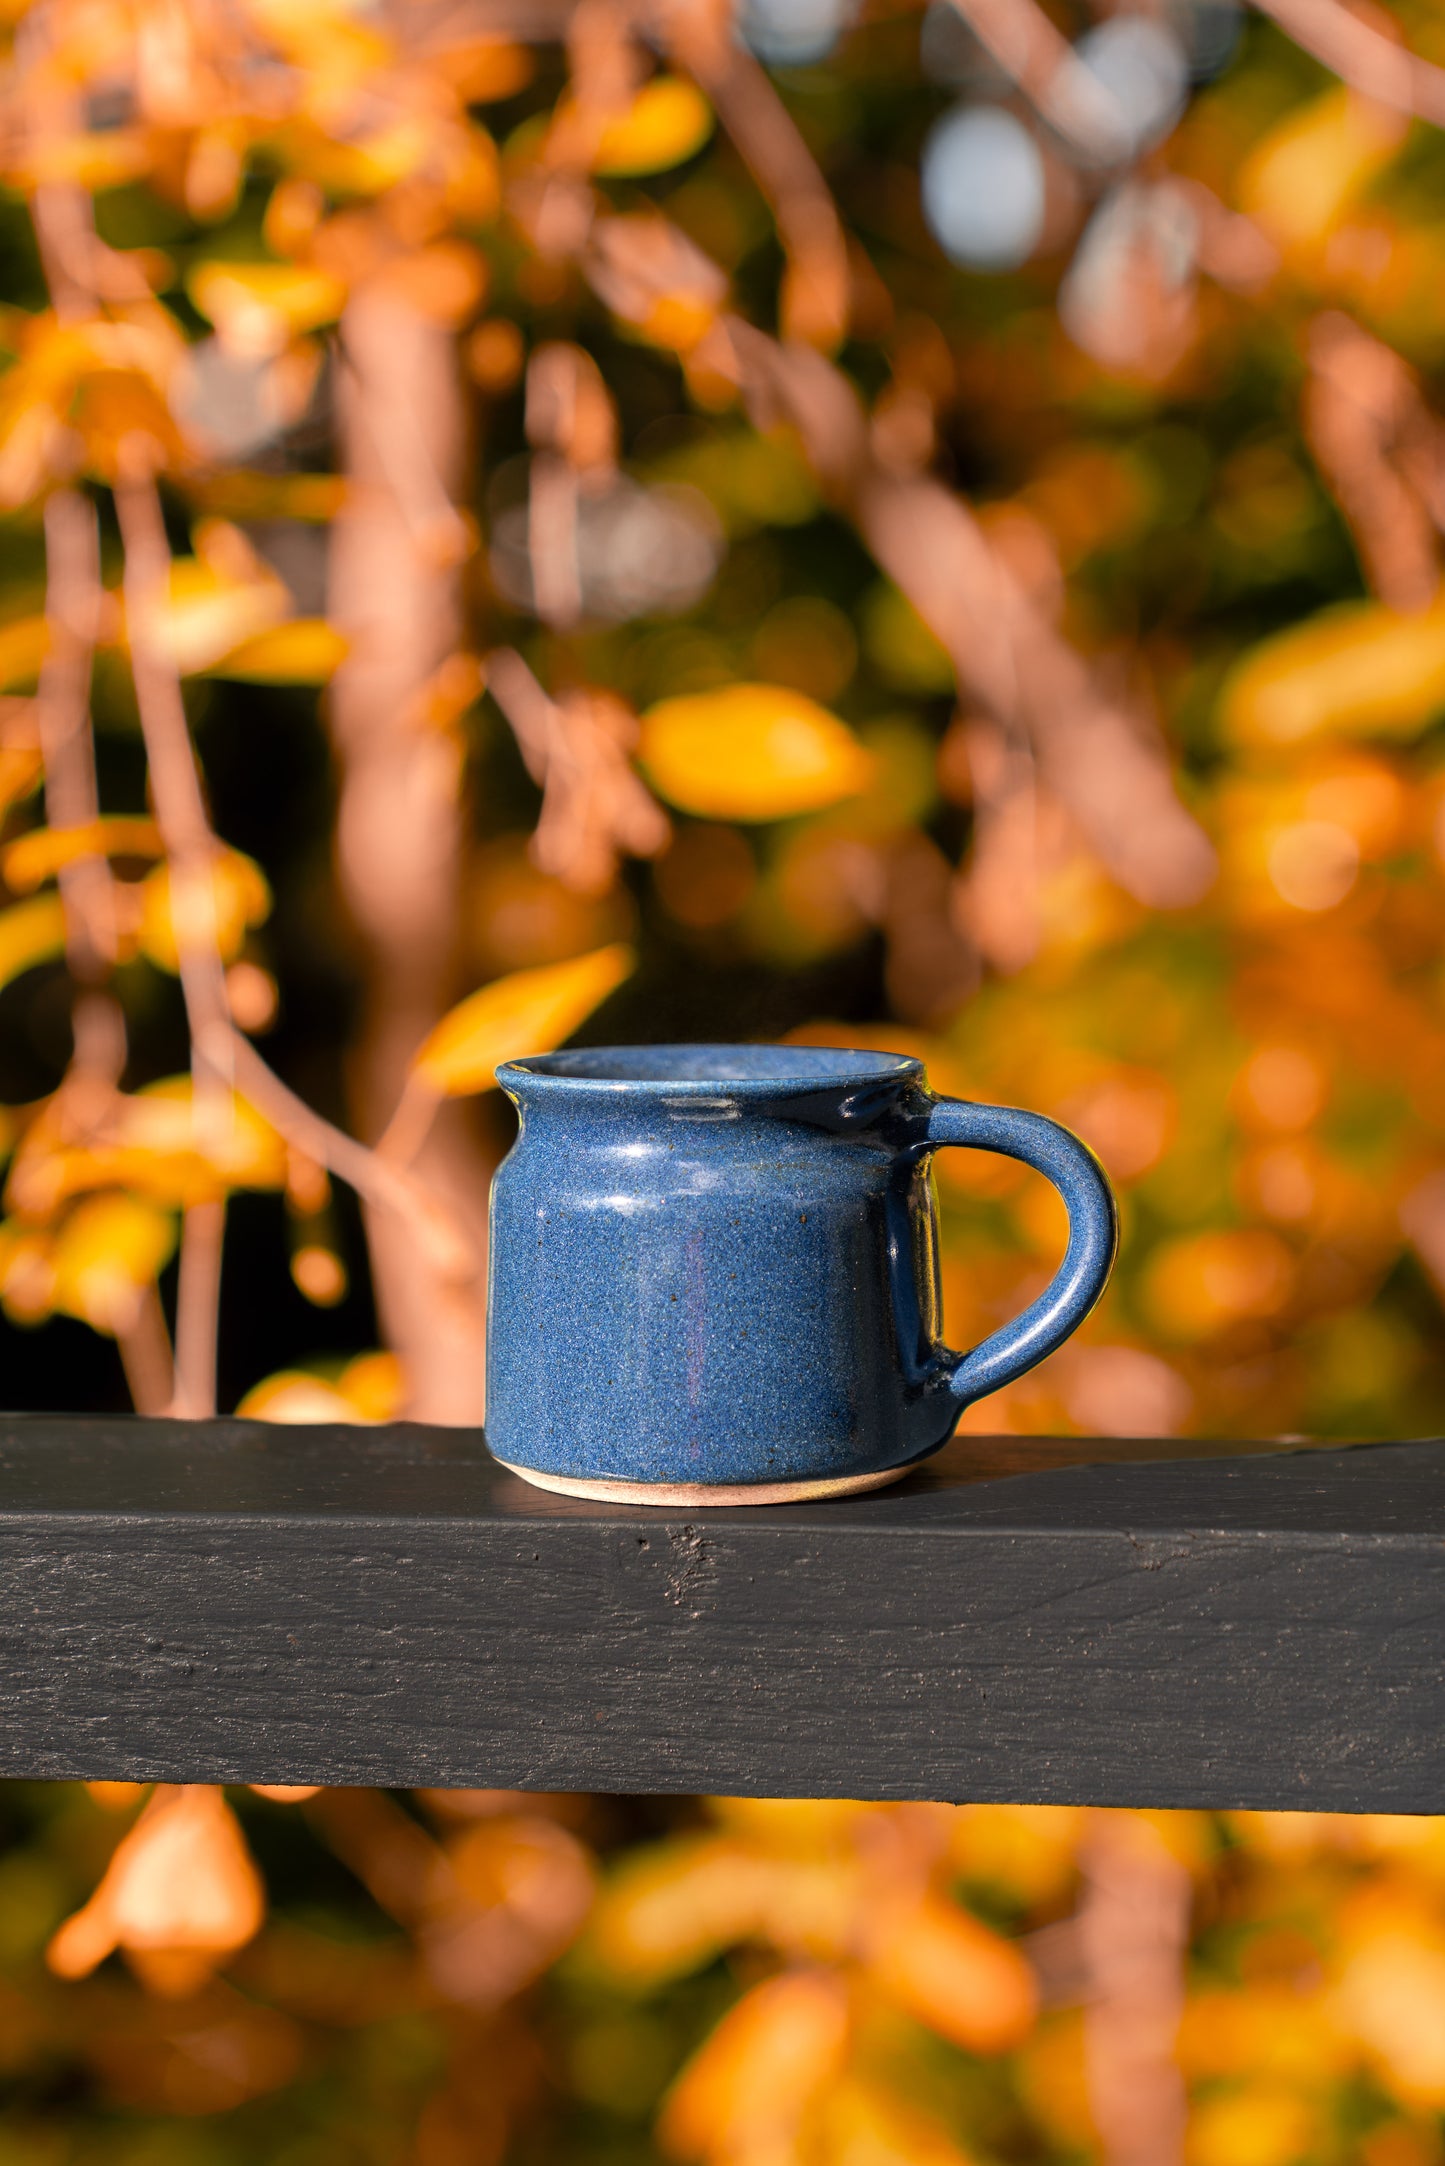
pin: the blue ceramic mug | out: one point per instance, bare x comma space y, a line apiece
714, 1271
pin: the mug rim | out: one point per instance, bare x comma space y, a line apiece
802, 1067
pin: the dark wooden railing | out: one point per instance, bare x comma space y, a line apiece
1087, 1620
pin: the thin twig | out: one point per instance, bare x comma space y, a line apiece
374, 1178
62, 216
191, 853
198, 1309
594, 805
145, 1352
1379, 448
771, 145
191, 848
528, 708
72, 613
411, 1123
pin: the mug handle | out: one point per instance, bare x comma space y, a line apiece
1093, 1238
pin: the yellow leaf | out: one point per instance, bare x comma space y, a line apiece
1027, 1849
750, 752
529, 1011
150, 1144
1264, 2124
308, 650
109, 1250
869, 2125
1307, 171
42, 853
668, 121
679, 1904
241, 1147
1359, 669
30, 933
364, 167
21, 768
239, 897
258, 308
675, 1906
23, 647
295, 1396
208, 612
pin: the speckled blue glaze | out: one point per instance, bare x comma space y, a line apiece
719, 1263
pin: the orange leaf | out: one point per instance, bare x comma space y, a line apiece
294, 1395
746, 2088
485, 69
181, 1884
955, 1975
375, 1384
1200, 1283
446, 282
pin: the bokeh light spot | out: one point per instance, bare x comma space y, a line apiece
983, 188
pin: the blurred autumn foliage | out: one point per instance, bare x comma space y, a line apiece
914, 525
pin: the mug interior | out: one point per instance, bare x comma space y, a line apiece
709, 1066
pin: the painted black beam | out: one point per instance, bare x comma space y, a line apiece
1164, 1625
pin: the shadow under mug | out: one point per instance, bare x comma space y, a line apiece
714, 1271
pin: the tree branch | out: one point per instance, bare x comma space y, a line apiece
1040, 59
817, 289
1102, 761
1361, 56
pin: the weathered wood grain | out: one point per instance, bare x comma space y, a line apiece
1168, 1625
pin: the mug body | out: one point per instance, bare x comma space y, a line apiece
714, 1274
